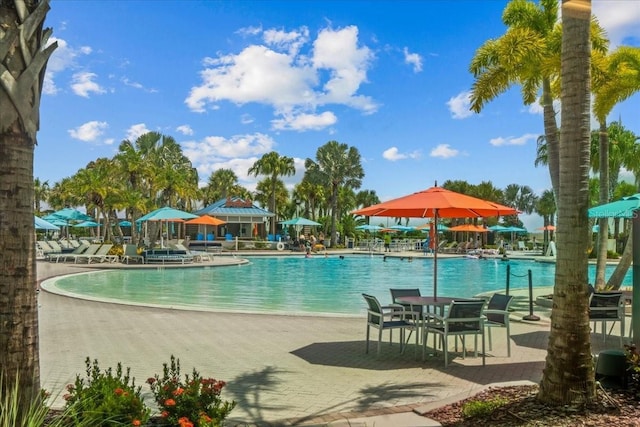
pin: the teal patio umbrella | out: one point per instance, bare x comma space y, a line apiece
166, 214
299, 221
41, 224
87, 224
627, 207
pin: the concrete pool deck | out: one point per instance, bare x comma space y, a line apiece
281, 370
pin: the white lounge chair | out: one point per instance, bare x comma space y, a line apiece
57, 257
130, 252
90, 250
101, 255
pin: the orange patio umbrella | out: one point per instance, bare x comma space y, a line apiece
436, 202
206, 220
472, 228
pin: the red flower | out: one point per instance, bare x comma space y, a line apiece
151, 380
178, 391
164, 414
136, 423
169, 402
185, 422
118, 391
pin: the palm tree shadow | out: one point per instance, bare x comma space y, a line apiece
247, 390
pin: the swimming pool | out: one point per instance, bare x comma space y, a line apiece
299, 285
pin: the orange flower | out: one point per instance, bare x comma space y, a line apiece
178, 391
185, 422
169, 402
118, 391
136, 423
164, 414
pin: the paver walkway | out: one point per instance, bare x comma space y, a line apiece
281, 370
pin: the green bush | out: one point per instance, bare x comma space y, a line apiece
195, 402
105, 399
482, 408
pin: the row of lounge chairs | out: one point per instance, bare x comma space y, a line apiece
98, 253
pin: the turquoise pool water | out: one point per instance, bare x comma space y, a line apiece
315, 285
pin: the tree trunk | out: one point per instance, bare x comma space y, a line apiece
22, 66
603, 223
551, 135
568, 376
615, 281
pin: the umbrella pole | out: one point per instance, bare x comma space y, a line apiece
435, 257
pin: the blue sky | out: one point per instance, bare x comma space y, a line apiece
233, 80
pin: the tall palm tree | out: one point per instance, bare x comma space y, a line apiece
23, 58
273, 166
546, 208
569, 376
528, 54
40, 193
337, 165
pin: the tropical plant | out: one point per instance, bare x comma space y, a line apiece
273, 166
568, 376
105, 398
337, 165
193, 401
24, 52
219, 186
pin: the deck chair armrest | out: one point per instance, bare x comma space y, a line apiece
494, 311
433, 317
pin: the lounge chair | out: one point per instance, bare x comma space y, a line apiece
90, 250
522, 246
45, 247
450, 248
57, 257
55, 246
101, 255
130, 252
198, 256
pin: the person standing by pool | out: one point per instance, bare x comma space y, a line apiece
387, 242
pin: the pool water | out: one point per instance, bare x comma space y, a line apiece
299, 285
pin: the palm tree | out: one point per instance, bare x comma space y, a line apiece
528, 54
546, 208
23, 58
274, 166
40, 194
219, 185
569, 376
337, 165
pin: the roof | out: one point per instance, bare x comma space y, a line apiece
234, 206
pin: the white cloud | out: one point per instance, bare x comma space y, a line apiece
89, 131
621, 20
393, 154
303, 122
83, 84
62, 58
459, 105
214, 148
413, 59
185, 130
136, 85
135, 131
331, 70
444, 151
511, 140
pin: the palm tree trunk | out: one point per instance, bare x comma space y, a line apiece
568, 376
551, 135
22, 65
615, 281
603, 223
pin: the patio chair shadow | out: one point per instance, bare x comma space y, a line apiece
536, 339
491, 374
351, 354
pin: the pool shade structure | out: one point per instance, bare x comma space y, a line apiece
629, 208
167, 214
437, 202
299, 221
87, 224
67, 215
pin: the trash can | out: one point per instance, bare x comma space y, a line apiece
612, 365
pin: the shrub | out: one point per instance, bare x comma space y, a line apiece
633, 369
195, 402
105, 399
482, 408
